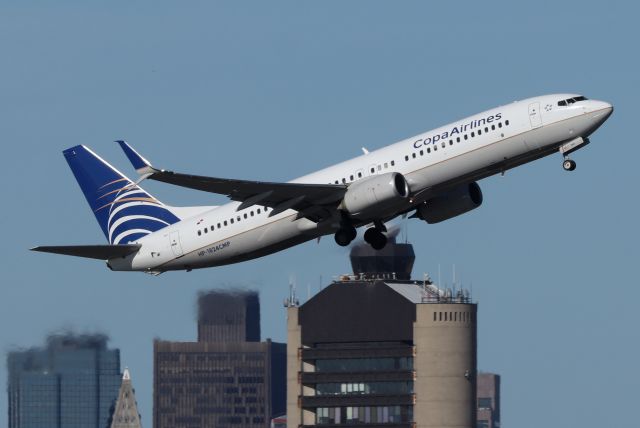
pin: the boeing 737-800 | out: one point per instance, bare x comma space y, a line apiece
432, 175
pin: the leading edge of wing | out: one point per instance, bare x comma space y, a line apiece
99, 252
296, 196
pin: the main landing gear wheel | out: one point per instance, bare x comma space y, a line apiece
344, 236
375, 238
569, 165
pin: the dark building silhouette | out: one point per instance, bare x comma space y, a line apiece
225, 316
394, 261
488, 400
72, 382
375, 350
228, 378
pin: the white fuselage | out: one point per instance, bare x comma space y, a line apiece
433, 162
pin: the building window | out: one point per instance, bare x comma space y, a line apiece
482, 423
484, 402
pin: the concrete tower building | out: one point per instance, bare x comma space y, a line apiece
371, 350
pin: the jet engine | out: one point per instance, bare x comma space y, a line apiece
457, 201
376, 196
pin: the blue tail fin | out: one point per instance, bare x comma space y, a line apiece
123, 209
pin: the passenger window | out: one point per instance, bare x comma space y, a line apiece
406, 158
225, 222
219, 226
465, 137
479, 131
206, 230
231, 221
499, 124
451, 142
351, 178
506, 123
212, 228
486, 129
458, 139
443, 144
413, 155
344, 181
337, 181
435, 147
428, 149
373, 169
379, 167
393, 163
421, 153
386, 165
199, 233
493, 127
359, 175
258, 210
239, 218
473, 134
245, 215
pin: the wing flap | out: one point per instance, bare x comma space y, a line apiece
100, 252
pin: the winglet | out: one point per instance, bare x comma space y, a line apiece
142, 166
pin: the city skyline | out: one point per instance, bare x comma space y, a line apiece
269, 92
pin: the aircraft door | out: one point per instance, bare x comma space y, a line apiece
534, 115
174, 242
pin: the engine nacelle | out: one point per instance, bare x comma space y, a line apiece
457, 201
376, 196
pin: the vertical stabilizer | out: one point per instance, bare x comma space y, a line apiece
124, 210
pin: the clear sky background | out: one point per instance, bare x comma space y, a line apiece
274, 90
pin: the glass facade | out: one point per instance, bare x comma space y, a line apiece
364, 388
73, 382
365, 364
364, 415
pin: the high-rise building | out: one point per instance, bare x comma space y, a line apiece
125, 413
488, 400
71, 382
228, 378
375, 350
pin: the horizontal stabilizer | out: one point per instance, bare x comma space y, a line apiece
100, 252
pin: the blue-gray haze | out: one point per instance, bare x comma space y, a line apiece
273, 90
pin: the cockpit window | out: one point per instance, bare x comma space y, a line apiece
570, 101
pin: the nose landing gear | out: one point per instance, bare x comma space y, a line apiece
569, 164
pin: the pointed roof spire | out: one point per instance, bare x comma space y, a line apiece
126, 413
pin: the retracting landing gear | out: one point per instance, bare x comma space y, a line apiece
570, 147
345, 235
569, 164
375, 236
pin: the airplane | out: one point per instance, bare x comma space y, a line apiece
433, 176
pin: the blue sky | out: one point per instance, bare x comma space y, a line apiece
274, 90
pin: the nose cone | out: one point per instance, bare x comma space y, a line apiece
600, 109
598, 112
